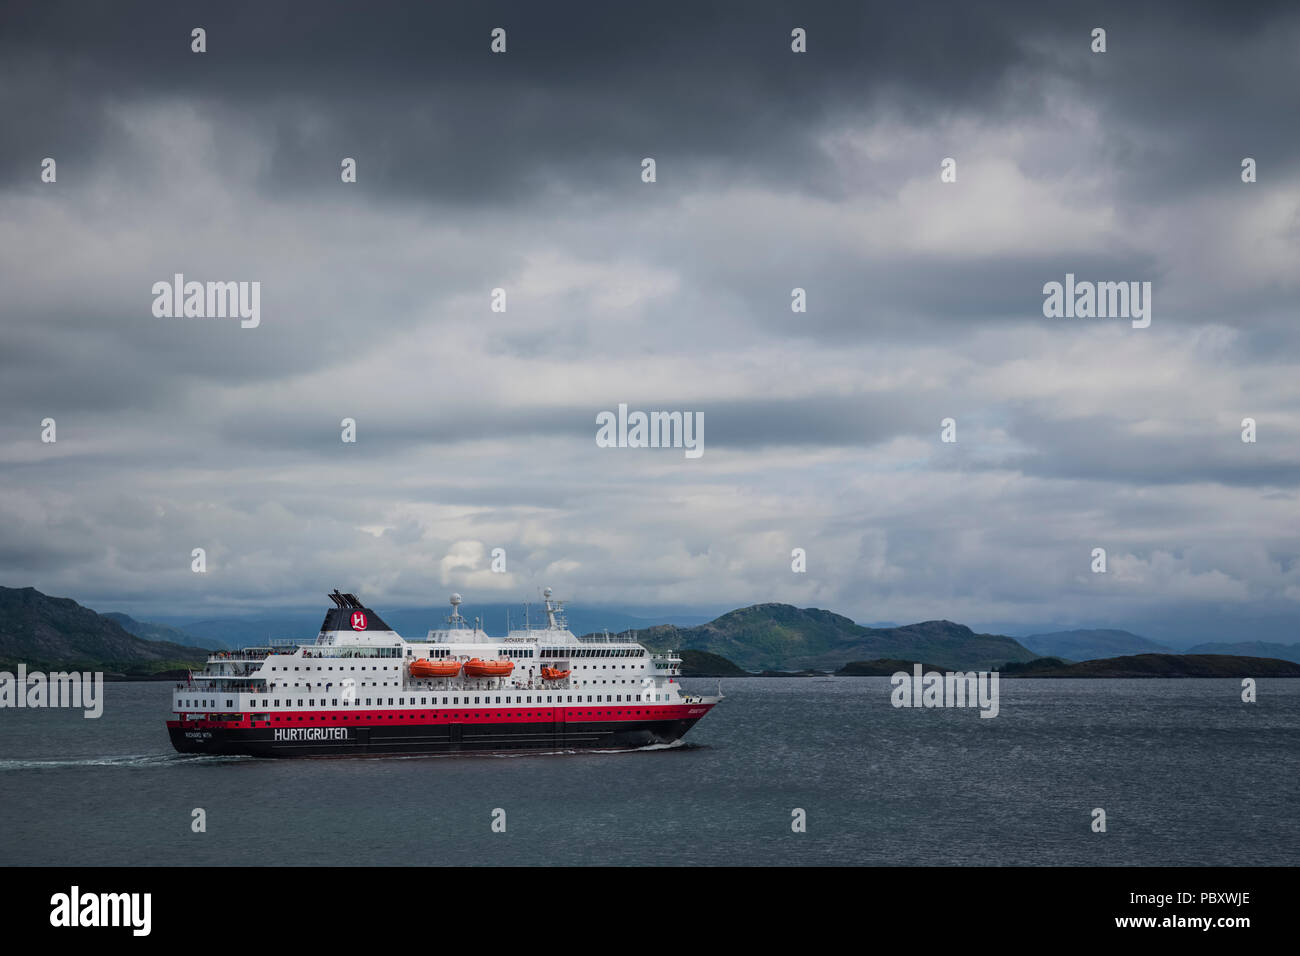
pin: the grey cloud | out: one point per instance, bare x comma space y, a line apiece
821, 428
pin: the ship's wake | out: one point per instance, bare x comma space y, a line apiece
122, 760
674, 745
514, 754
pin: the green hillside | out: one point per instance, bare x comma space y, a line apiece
45, 632
784, 637
1159, 665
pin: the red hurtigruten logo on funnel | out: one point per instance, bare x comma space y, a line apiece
359, 621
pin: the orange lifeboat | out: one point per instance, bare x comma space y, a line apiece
427, 668
552, 673
480, 668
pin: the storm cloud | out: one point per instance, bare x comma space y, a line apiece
775, 170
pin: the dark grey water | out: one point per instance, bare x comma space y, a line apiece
1186, 773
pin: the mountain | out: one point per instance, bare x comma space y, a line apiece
43, 631
783, 637
150, 631
232, 632
1285, 652
880, 668
1090, 645
1158, 665
704, 664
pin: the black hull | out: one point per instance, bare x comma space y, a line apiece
415, 739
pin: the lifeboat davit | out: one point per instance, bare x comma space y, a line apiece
480, 668
427, 668
552, 673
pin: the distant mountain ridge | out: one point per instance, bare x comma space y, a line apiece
783, 637
1086, 645
1158, 665
150, 631
1284, 652
40, 630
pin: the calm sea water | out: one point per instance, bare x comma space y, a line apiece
1187, 774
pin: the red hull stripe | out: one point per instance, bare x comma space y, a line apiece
471, 715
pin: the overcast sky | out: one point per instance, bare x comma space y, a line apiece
775, 170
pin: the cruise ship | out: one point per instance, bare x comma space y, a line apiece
361, 688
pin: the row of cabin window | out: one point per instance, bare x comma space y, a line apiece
502, 653
596, 652
613, 698
395, 683
314, 650
385, 667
